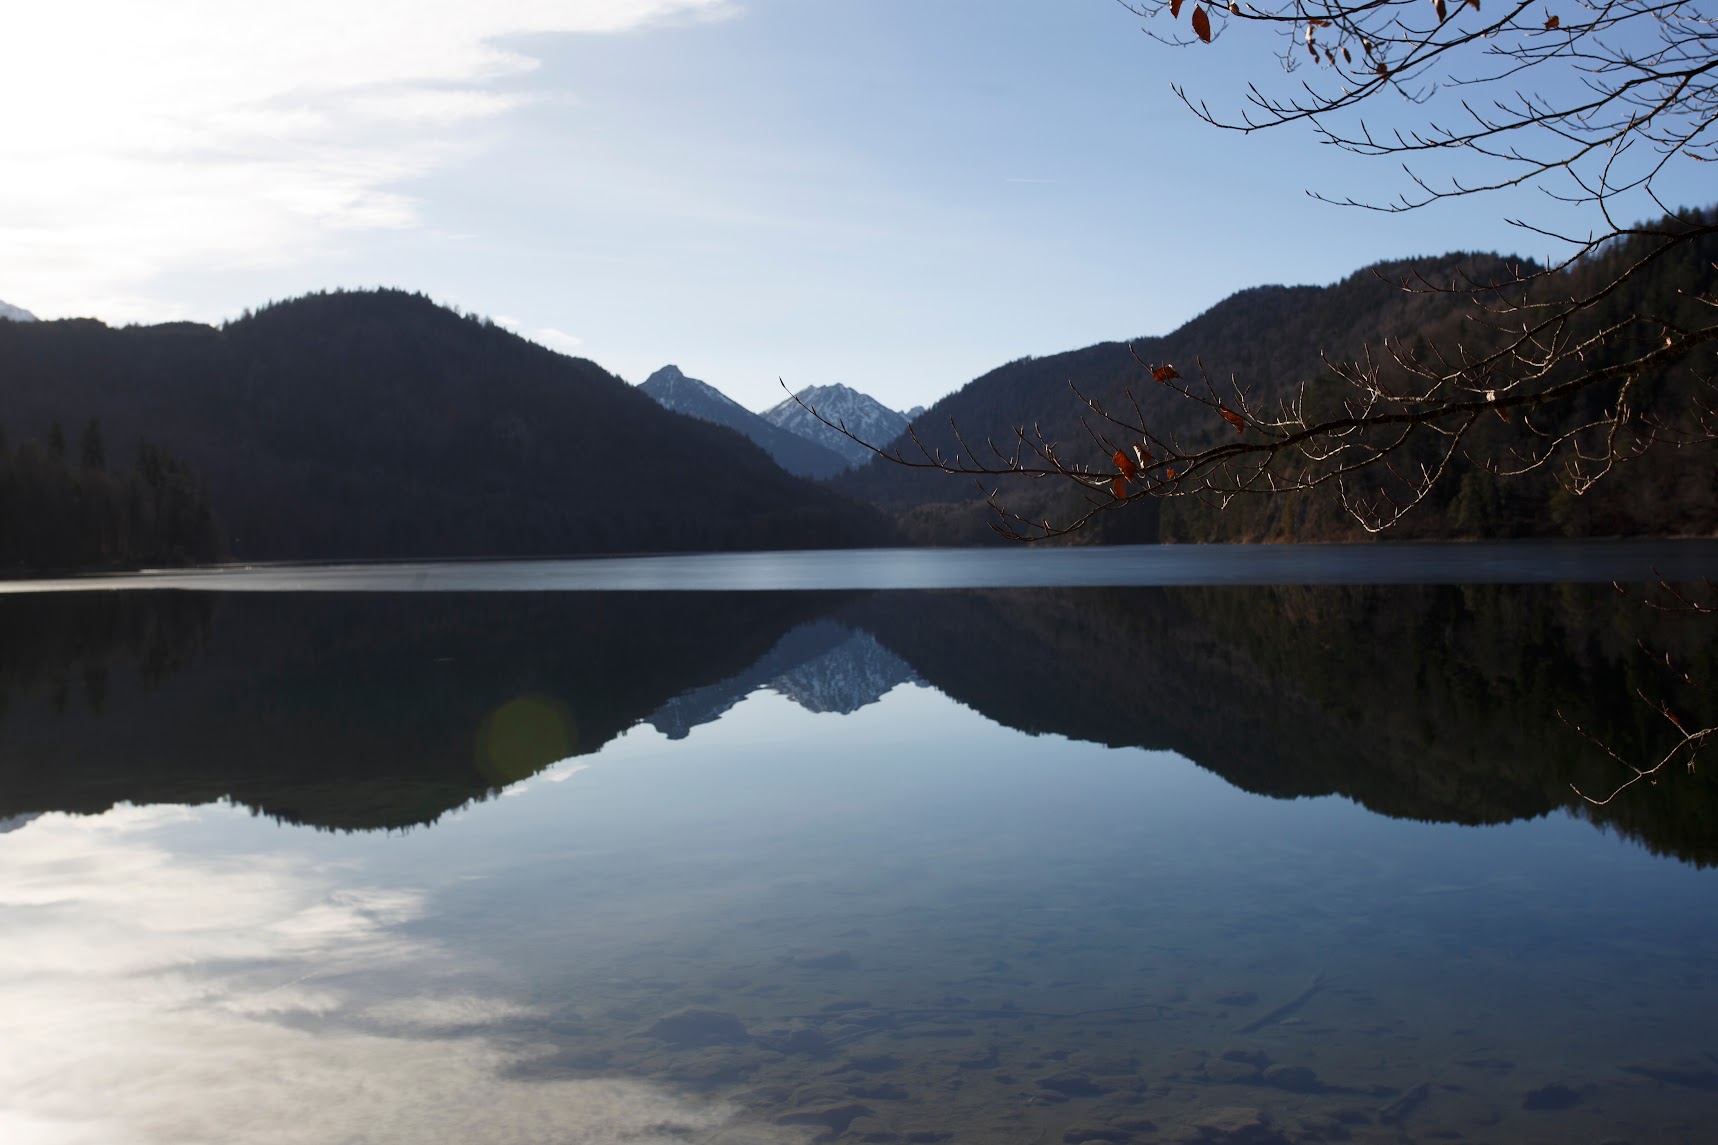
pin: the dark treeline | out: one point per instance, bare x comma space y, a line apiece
1275, 340
58, 511
377, 424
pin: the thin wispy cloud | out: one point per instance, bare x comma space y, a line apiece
558, 339
147, 139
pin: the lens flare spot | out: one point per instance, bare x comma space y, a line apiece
523, 736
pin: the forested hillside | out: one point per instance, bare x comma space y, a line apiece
1272, 341
58, 512
378, 424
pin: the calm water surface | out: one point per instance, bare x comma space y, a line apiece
1137, 865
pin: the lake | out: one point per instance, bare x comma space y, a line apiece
1130, 846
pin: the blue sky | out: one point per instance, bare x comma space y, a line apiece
893, 194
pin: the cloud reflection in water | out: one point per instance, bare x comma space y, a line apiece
154, 996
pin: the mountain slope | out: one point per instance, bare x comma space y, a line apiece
15, 313
377, 424
674, 390
862, 414
1273, 340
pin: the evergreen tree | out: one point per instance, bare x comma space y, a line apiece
93, 449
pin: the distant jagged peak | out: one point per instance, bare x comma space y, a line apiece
15, 313
671, 387
863, 416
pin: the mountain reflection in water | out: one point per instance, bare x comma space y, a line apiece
1439, 703
877, 868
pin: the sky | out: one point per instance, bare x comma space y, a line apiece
897, 195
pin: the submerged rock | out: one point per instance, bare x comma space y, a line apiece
826, 960
696, 1026
718, 1066
1252, 1055
871, 1131
1553, 1096
1081, 1134
1073, 1083
1185, 1063
1237, 998
880, 1091
835, 1118
1226, 1071
874, 1063
806, 1041
1231, 1125
1294, 1078
1684, 1072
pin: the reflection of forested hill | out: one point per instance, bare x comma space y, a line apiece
369, 711
1424, 703
337, 711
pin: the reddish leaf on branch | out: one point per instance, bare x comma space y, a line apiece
1551, 23
1126, 465
1119, 488
1143, 455
1175, 9
1201, 24
1165, 374
1383, 70
1441, 9
1475, 4
1233, 418
1169, 473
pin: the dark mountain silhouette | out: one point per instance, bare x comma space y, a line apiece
694, 398
1274, 340
378, 424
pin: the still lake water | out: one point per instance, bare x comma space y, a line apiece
1095, 860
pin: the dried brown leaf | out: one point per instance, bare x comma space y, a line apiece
1201, 24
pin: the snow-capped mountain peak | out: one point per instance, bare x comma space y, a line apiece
15, 313
674, 390
864, 416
